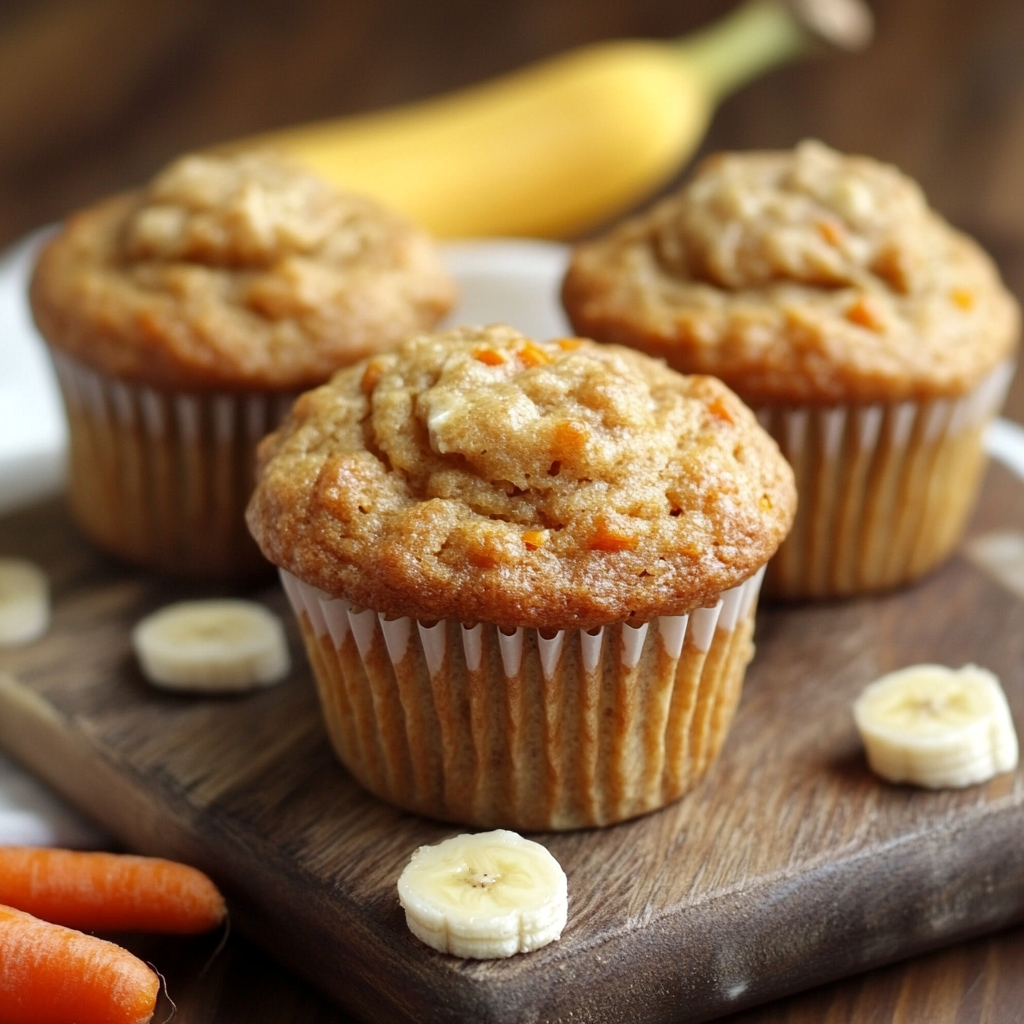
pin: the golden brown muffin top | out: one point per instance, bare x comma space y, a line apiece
235, 272
801, 276
479, 475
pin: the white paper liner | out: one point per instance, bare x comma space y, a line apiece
445, 679
322, 609
162, 478
884, 490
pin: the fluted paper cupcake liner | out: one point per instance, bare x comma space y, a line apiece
527, 730
163, 478
884, 490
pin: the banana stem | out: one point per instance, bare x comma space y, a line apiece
758, 35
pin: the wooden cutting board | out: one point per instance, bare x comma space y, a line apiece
790, 865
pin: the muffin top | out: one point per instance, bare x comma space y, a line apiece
803, 276
235, 273
479, 475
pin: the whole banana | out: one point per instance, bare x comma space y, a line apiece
561, 146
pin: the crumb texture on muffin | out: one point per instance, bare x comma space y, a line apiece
799, 276
479, 475
235, 272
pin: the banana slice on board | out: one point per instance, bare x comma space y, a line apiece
485, 896
216, 645
937, 727
24, 601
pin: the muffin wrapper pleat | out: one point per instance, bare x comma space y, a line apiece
528, 730
884, 490
162, 478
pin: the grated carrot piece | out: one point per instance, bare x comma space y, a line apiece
533, 355
830, 231
371, 377
568, 440
609, 537
489, 356
863, 313
720, 411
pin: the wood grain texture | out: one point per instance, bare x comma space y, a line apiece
973, 982
790, 865
977, 982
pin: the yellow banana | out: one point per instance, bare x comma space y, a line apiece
558, 147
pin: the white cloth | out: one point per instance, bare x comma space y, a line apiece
30, 815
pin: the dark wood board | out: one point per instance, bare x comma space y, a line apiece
790, 865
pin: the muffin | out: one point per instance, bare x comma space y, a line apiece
185, 317
873, 340
525, 572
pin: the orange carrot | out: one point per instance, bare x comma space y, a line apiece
533, 355
53, 975
109, 891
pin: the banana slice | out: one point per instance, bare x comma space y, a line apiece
214, 646
488, 895
24, 601
937, 727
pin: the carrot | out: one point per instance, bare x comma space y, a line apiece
109, 891
54, 975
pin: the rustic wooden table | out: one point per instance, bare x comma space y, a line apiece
97, 94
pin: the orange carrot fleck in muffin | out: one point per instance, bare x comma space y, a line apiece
864, 314
612, 536
533, 355
720, 410
370, 377
831, 231
488, 356
569, 440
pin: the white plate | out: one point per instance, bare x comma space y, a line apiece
32, 431
515, 281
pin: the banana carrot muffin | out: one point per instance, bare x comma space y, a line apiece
184, 317
525, 572
873, 340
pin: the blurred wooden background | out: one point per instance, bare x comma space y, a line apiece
95, 95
